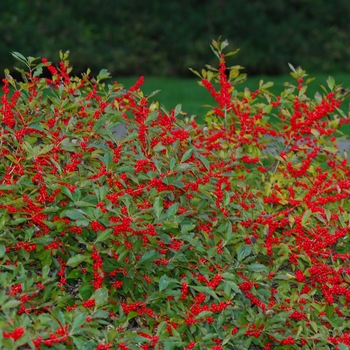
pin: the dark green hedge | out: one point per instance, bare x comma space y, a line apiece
165, 37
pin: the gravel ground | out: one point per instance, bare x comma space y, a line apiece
344, 145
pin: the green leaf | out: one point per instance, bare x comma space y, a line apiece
231, 53
205, 290
156, 162
267, 109
107, 159
314, 326
67, 192
52, 209
161, 327
73, 214
204, 314
329, 310
86, 291
157, 148
172, 210
205, 161
243, 251
103, 192
103, 236
195, 72
306, 217
230, 276
8, 187
58, 315
45, 271
185, 166
78, 321
122, 255
155, 92
76, 260
292, 67
177, 109
10, 304
103, 75
82, 204
149, 256
17, 221
158, 206
38, 71
256, 267
151, 117
74, 274
130, 137
2, 250
82, 223
302, 91
43, 150
224, 44
229, 234
171, 344
330, 83
234, 286
163, 282
187, 228
186, 155
79, 342
342, 346
172, 163
266, 85
100, 296
19, 57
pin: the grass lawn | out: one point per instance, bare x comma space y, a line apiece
192, 96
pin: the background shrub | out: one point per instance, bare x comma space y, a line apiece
157, 38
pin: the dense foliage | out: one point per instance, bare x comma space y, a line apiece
164, 38
233, 235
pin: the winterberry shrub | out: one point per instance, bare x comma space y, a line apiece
229, 235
